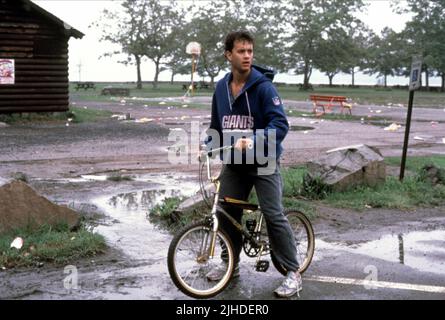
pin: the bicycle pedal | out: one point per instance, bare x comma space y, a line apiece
262, 266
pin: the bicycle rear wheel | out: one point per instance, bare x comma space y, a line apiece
304, 241
189, 261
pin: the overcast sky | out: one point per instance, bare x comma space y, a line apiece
86, 51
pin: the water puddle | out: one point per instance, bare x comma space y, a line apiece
421, 250
300, 128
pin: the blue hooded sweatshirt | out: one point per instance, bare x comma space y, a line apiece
253, 113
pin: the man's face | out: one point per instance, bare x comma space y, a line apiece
241, 56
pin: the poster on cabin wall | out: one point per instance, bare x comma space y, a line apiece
7, 71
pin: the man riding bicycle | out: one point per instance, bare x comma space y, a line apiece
248, 113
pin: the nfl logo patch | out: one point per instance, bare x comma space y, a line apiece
276, 101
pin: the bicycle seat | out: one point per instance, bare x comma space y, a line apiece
239, 203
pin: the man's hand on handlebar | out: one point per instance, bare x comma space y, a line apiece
243, 144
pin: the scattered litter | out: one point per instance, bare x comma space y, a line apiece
313, 122
290, 111
67, 124
17, 243
378, 111
85, 107
162, 102
393, 127
419, 138
305, 132
368, 206
145, 105
70, 119
73, 103
144, 120
434, 123
304, 115
73, 238
184, 117
362, 120
123, 101
400, 105
119, 116
176, 129
185, 105
133, 98
3, 268
26, 254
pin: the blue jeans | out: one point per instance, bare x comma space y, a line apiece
237, 182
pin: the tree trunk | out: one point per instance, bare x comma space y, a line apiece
330, 76
386, 82
427, 79
353, 77
155, 80
138, 68
442, 88
172, 80
212, 81
307, 75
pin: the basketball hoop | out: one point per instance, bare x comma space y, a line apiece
193, 48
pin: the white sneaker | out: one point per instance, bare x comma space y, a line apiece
291, 285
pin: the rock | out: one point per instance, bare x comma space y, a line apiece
21, 207
349, 166
3, 125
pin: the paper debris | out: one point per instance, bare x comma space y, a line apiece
17, 243
393, 127
418, 138
162, 102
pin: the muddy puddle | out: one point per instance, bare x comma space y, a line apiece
131, 231
420, 250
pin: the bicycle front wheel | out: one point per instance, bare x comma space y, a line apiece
304, 241
189, 261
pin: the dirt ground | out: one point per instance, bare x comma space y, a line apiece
54, 155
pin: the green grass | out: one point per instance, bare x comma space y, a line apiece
360, 95
76, 114
120, 178
416, 163
393, 194
80, 115
368, 95
411, 193
147, 91
57, 245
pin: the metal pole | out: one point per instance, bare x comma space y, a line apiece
407, 129
193, 71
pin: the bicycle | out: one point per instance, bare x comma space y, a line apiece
202, 246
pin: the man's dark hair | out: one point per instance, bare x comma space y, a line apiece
235, 36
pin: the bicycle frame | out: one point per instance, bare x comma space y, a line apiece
217, 208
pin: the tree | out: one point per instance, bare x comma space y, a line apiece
306, 24
125, 30
159, 32
385, 55
209, 27
331, 54
357, 44
426, 34
145, 29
